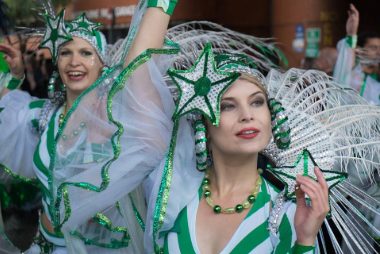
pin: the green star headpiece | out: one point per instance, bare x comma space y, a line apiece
201, 87
58, 32
304, 165
83, 28
83, 24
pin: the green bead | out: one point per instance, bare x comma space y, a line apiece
251, 199
202, 86
239, 208
217, 209
207, 193
54, 35
206, 181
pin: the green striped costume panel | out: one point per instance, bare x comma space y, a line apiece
252, 235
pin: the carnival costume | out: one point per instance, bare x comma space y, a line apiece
121, 131
315, 123
79, 160
367, 85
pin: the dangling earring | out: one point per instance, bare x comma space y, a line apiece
60, 95
56, 96
200, 145
51, 86
280, 124
105, 69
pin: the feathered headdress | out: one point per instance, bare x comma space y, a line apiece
330, 127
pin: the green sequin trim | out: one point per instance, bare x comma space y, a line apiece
105, 222
17, 177
137, 215
163, 193
19, 191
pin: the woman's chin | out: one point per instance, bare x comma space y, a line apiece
77, 89
241, 153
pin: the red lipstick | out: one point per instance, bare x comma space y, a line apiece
248, 133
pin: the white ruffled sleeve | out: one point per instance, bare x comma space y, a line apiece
18, 133
344, 63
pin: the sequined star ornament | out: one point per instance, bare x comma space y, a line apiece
82, 23
83, 28
304, 165
56, 34
201, 87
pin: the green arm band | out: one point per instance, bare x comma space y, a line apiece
352, 40
14, 83
167, 5
301, 249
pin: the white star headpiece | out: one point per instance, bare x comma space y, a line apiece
201, 87
56, 34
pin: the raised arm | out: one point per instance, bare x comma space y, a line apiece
153, 27
352, 26
13, 57
346, 49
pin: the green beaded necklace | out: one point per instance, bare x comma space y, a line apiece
62, 115
239, 207
76, 132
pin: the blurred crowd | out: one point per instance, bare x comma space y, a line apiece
363, 57
38, 64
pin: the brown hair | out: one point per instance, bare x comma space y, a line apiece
254, 80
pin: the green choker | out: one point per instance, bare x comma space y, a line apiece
230, 210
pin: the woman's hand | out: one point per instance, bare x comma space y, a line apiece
309, 218
13, 57
352, 23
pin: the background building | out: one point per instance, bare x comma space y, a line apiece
301, 27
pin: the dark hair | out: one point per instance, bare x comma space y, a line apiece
364, 36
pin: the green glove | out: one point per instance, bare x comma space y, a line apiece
352, 40
3, 64
167, 5
300, 249
14, 83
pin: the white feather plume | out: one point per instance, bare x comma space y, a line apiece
192, 36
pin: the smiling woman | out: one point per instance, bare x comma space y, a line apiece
79, 66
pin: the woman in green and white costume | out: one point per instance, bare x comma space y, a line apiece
220, 122
357, 66
73, 146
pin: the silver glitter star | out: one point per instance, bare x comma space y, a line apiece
82, 23
304, 165
56, 34
201, 87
